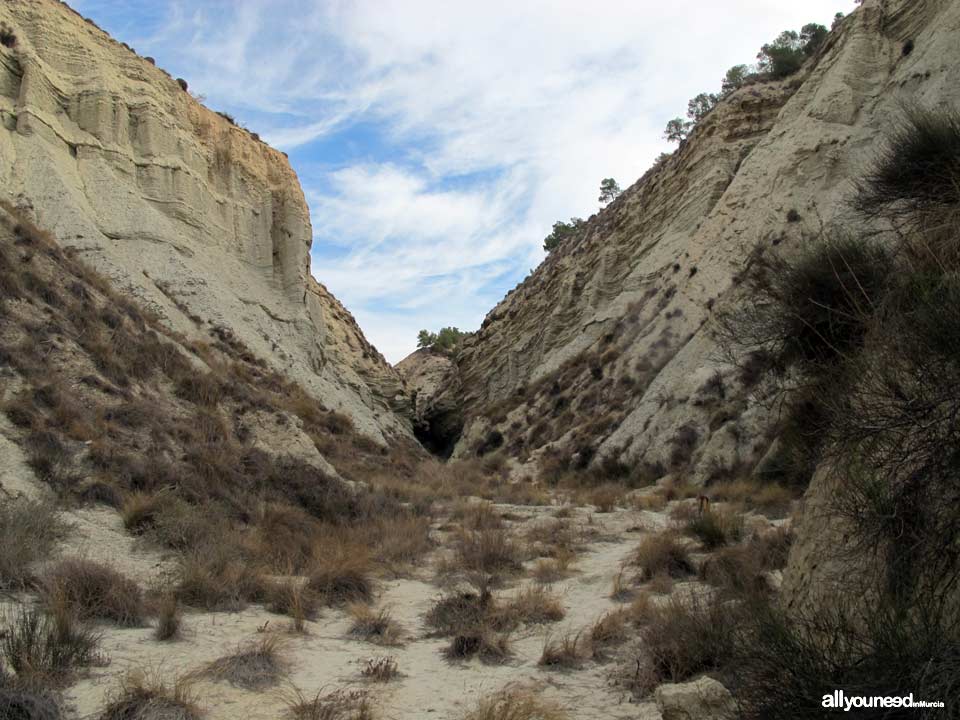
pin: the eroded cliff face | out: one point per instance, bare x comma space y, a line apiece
195, 216
609, 348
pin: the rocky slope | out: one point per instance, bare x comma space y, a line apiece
609, 348
196, 217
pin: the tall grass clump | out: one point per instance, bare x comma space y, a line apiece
29, 530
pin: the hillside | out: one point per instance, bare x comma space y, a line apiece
608, 348
192, 215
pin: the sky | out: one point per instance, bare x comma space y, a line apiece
437, 141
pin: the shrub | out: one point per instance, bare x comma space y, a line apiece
46, 645
141, 697
683, 638
562, 232
330, 705
168, 618
374, 626
740, 569
292, 598
183, 84
533, 605
217, 578
27, 699
917, 173
488, 551
788, 661
715, 528
567, 651
29, 530
516, 703
341, 575
483, 642
256, 665
662, 553
810, 310
453, 613
609, 630
92, 590
380, 669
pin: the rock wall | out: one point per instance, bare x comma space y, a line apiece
627, 313
195, 216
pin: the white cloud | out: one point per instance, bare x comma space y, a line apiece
500, 117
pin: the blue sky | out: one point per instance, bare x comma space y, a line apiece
438, 141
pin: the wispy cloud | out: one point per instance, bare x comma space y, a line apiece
438, 141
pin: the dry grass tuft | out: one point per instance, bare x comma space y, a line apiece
219, 578
551, 570
609, 630
291, 597
715, 528
93, 590
533, 605
568, 651
29, 530
477, 515
257, 665
46, 646
380, 669
375, 626
28, 699
516, 703
342, 575
452, 613
653, 501
483, 642
769, 498
334, 705
606, 497
168, 618
140, 697
490, 552
742, 569
683, 639
662, 553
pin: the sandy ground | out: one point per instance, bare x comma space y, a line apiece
327, 657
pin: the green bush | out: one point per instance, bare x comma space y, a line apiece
563, 232
447, 340
786, 662
917, 173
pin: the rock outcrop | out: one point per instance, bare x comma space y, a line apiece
193, 215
